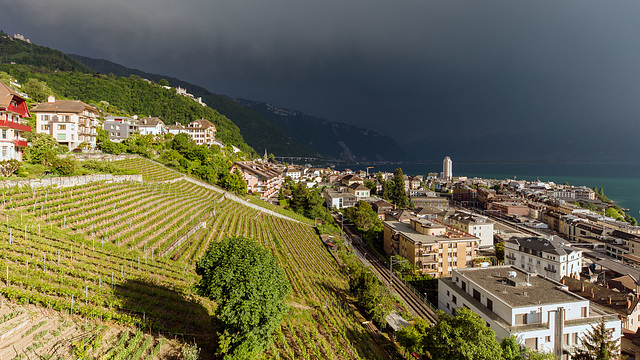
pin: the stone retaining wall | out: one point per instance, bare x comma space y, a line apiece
70, 181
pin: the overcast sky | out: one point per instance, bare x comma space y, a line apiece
404, 68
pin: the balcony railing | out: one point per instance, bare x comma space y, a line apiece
510, 257
22, 143
14, 125
550, 269
17, 110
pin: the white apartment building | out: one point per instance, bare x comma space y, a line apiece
478, 226
202, 131
543, 314
71, 122
552, 258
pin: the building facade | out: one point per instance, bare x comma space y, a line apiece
478, 226
553, 258
71, 122
543, 314
260, 179
433, 248
119, 127
202, 131
13, 108
151, 126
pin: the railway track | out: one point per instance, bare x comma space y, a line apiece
414, 303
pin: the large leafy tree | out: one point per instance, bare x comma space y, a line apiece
249, 286
598, 344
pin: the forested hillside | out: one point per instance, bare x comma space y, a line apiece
22, 52
257, 131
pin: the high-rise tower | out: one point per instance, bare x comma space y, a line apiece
447, 168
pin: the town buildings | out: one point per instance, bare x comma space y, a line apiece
71, 122
176, 129
433, 248
119, 127
553, 258
542, 313
338, 200
13, 108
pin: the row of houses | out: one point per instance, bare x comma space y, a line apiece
202, 131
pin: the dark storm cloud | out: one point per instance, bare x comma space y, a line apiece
406, 68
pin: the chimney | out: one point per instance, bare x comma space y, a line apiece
628, 303
592, 294
609, 299
582, 287
51, 99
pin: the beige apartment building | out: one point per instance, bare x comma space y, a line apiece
433, 248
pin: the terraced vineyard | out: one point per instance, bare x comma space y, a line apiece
125, 252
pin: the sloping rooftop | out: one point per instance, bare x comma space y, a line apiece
69, 106
7, 94
149, 121
551, 246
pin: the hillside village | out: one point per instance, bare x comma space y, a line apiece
540, 261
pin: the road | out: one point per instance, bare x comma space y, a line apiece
415, 304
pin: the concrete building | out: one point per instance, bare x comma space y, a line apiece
543, 314
13, 108
447, 169
119, 127
478, 226
433, 248
260, 179
176, 129
553, 258
71, 122
360, 191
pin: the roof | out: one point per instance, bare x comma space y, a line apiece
203, 124
7, 94
258, 169
149, 121
395, 321
359, 187
470, 219
64, 106
552, 246
415, 237
537, 291
620, 302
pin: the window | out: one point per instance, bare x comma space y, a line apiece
489, 304
584, 312
454, 299
62, 127
4, 151
4, 133
547, 338
464, 286
62, 137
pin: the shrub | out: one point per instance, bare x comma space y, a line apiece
63, 166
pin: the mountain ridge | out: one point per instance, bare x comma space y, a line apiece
265, 130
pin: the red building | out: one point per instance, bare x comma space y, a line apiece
13, 108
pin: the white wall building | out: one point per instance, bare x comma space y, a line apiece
202, 131
551, 258
541, 313
447, 169
478, 226
151, 126
71, 122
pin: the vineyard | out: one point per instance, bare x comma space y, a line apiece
125, 252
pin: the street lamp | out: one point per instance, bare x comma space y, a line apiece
391, 262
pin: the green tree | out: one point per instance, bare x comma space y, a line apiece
412, 337
249, 288
598, 344
372, 295
163, 82
371, 185
299, 197
399, 195
36, 89
500, 251
63, 166
234, 182
43, 149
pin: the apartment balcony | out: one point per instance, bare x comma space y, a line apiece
14, 125
511, 257
550, 269
22, 143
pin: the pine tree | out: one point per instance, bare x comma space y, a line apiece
599, 344
399, 195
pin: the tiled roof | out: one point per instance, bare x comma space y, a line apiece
70, 106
